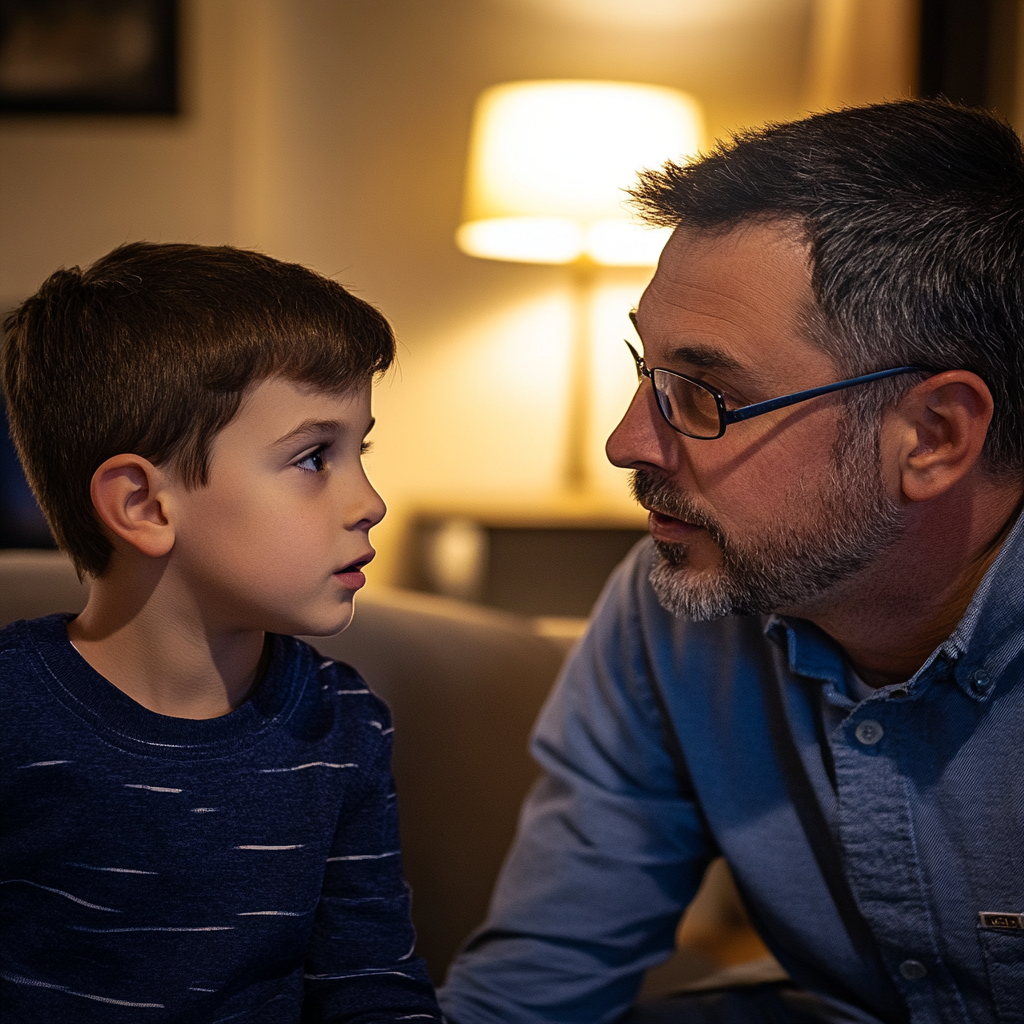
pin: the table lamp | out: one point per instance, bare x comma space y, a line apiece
548, 165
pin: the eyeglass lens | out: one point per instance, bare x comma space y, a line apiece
686, 405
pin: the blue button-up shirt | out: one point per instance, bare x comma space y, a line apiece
922, 785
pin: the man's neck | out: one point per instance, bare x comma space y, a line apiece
892, 616
140, 634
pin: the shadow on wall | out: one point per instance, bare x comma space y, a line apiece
22, 524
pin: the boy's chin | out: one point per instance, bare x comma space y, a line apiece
322, 626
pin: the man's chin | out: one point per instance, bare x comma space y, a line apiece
674, 555
686, 592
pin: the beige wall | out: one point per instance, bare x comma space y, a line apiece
73, 188
334, 133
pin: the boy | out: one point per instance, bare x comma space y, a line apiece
197, 820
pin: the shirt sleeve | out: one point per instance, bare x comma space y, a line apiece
611, 846
361, 966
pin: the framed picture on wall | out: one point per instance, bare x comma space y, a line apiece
88, 57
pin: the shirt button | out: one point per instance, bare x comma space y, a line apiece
869, 732
913, 970
981, 682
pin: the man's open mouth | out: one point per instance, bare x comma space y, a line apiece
666, 515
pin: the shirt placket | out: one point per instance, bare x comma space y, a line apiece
877, 834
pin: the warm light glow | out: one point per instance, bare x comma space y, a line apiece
549, 162
623, 243
524, 239
652, 13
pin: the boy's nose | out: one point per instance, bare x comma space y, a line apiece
372, 508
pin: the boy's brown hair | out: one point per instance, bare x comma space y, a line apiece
151, 350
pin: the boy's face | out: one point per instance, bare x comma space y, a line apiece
277, 538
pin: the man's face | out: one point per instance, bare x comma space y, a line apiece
784, 506
277, 538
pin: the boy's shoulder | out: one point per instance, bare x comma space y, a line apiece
21, 641
333, 700
334, 679
43, 676
38, 717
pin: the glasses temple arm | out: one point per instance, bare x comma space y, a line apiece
749, 411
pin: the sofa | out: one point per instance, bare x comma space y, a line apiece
464, 684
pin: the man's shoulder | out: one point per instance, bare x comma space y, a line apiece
628, 594
638, 662
628, 612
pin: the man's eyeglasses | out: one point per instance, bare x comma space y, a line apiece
698, 410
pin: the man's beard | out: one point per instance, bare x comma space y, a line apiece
790, 563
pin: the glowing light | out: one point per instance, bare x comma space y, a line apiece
523, 239
622, 243
550, 160
632, 14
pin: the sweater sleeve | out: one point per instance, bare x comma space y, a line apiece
361, 966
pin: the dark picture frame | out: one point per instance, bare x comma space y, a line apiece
89, 57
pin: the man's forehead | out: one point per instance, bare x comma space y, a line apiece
754, 256
727, 298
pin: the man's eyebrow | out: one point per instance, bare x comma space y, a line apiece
707, 357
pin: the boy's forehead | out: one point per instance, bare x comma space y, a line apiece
285, 392
309, 389
277, 408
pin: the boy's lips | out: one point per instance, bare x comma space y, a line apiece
351, 576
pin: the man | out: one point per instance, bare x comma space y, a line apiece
816, 667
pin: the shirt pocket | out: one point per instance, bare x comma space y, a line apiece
1004, 961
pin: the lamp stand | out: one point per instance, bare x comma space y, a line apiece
576, 470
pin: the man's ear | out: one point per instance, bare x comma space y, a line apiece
130, 496
938, 430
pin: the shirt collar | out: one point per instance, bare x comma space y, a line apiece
988, 638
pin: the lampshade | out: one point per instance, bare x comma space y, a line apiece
549, 161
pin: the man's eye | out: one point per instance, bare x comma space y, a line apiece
731, 399
365, 447
313, 462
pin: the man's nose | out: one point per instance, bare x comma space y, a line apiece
643, 438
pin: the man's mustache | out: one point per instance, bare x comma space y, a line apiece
655, 493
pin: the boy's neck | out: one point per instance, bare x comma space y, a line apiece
144, 636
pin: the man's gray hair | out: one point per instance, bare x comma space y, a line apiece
914, 212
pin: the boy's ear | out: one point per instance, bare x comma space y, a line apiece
939, 428
130, 496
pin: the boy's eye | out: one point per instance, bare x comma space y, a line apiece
313, 462
365, 447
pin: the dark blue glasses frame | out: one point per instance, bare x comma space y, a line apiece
683, 400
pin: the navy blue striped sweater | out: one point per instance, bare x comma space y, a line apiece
243, 868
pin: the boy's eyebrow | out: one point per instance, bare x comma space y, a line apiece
313, 428
308, 428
